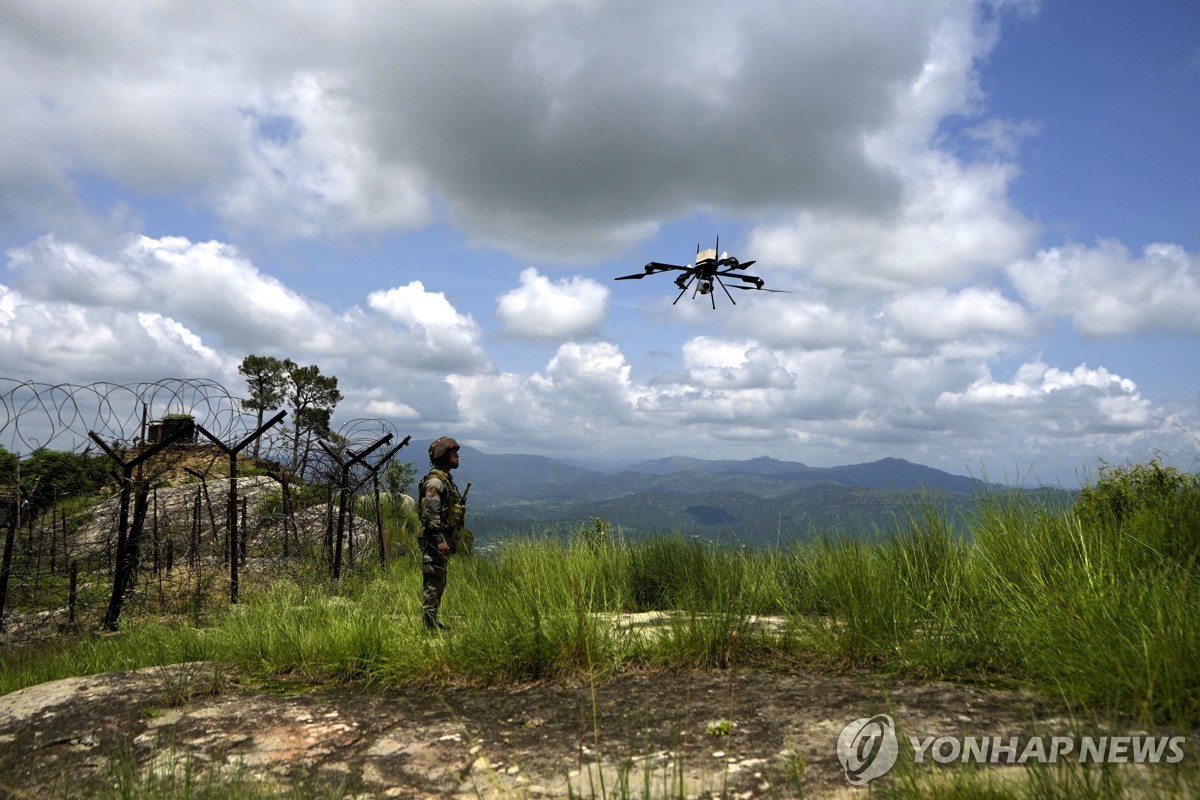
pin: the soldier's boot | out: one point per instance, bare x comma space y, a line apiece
429, 617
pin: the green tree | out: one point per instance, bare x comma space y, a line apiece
8, 467
51, 475
399, 477
267, 378
312, 397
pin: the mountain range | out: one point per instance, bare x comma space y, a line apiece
758, 500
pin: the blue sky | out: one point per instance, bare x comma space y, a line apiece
984, 212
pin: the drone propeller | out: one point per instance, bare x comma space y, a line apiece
761, 289
650, 269
757, 283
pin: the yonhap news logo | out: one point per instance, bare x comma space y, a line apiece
1048, 749
868, 748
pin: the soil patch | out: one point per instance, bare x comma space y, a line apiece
743, 733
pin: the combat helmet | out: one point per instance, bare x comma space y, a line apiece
440, 448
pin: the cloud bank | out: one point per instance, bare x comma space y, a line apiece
158, 162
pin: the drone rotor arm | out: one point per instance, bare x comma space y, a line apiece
729, 273
757, 281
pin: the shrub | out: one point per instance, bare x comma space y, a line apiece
1120, 493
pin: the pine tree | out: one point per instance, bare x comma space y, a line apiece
267, 378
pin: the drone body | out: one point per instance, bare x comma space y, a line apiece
705, 275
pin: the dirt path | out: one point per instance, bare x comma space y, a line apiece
662, 730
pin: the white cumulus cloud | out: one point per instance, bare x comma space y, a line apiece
940, 315
553, 310
210, 284
168, 306
1106, 291
1054, 400
953, 222
447, 339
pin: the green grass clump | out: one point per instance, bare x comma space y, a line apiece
1101, 607
176, 776
1043, 782
143, 645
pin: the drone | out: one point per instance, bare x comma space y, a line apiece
705, 275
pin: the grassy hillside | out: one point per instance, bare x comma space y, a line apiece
1099, 605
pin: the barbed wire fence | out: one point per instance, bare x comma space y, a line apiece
188, 493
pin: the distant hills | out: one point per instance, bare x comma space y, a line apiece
756, 500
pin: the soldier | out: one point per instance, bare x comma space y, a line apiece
442, 509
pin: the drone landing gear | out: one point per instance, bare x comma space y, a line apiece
727, 294
703, 286
683, 283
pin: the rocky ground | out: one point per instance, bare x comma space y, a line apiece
739, 733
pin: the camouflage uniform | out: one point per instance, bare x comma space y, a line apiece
442, 510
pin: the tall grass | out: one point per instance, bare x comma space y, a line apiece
1098, 604
1102, 604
